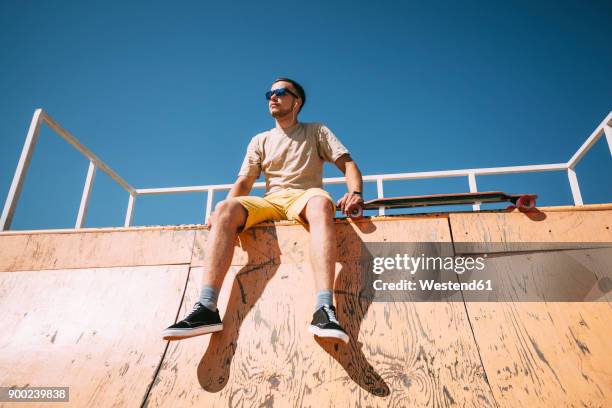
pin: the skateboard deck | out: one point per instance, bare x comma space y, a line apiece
523, 202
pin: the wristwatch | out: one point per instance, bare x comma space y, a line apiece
357, 192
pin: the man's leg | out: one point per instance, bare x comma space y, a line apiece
229, 217
319, 213
320, 217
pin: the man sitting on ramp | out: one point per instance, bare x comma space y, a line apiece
291, 156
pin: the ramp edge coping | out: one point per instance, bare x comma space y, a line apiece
395, 217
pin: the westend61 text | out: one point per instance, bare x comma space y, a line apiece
430, 284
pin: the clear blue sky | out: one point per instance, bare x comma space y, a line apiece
169, 94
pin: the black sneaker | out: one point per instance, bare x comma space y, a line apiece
200, 321
325, 324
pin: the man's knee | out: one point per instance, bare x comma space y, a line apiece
231, 213
319, 209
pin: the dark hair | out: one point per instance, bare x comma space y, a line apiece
298, 89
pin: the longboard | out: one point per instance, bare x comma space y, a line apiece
523, 202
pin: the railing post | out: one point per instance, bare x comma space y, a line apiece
473, 189
20, 173
608, 131
381, 194
209, 204
573, 180
130, 211
91, 173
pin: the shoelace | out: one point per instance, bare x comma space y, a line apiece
196, 307
330, 314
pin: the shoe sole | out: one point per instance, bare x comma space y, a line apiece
329, 333
180, 334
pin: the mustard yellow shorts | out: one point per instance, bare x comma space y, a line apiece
285, 204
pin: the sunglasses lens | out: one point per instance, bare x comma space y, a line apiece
277, 92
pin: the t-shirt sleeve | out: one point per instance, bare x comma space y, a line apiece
330, 148
251, 165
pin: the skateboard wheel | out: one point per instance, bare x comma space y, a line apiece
354, 211
526, 203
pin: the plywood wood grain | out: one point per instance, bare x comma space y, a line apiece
417, 354
79, 311
549, 226
96, 331
543, 353
95, 249
401, 354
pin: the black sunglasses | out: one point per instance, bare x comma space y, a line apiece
279, 92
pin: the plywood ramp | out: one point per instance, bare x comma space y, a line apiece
541, 354
94, 249
86, 310
400, 354
93, 330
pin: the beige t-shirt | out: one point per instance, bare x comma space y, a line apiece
292, 159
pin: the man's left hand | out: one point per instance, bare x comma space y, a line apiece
349, 199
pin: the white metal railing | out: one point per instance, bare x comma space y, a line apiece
40, 117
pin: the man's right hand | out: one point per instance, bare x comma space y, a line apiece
348, 200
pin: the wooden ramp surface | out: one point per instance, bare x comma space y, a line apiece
87, 329
85, 309
542, 353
